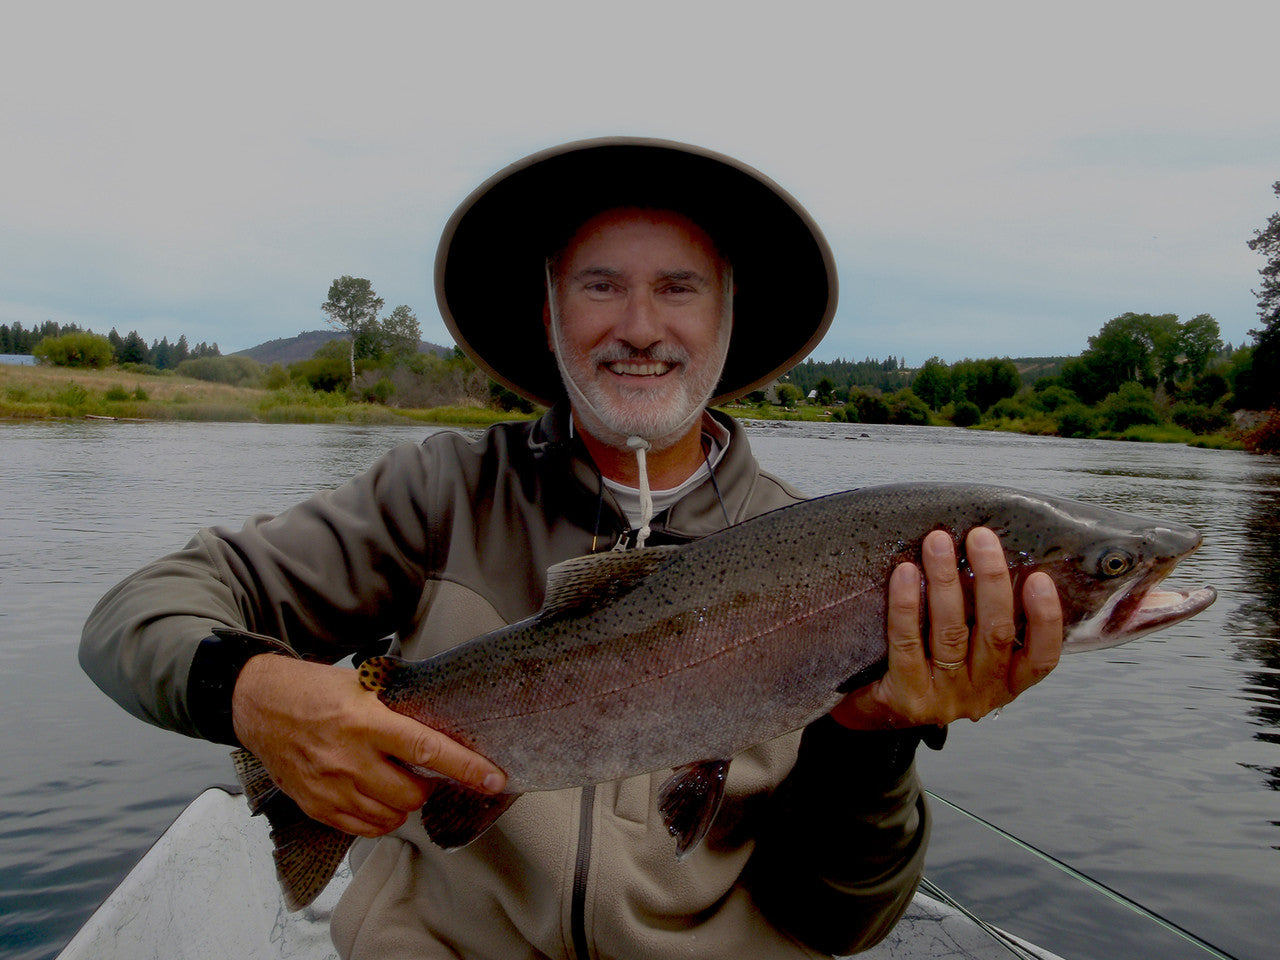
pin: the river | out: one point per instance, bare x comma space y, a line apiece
1152, 768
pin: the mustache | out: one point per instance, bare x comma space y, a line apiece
621, 353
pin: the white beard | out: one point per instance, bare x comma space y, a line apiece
615, 412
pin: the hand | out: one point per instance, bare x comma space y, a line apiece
331, 745
973, 669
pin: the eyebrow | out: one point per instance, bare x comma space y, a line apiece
612, 273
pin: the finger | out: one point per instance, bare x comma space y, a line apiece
1043, 641
995, 630
948, 620
416, 743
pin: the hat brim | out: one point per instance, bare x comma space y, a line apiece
489, 271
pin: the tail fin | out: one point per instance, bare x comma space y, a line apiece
307, 853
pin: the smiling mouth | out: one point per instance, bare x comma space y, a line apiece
632, 368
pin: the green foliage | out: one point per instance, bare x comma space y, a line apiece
237, 371
788, 395
116, 394
932, 383
352, 306
74, 350
276, 377
1012, 408
1199, 418
72, 396
965, 414
1131, 405
868, 374
1259, 387
1053, 397
321, 372
1076, 420
984, 382
866, 407
504, 399
908, 409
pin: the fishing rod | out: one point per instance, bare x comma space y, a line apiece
1098, 885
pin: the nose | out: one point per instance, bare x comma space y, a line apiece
639, 325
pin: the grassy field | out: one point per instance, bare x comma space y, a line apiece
37, 393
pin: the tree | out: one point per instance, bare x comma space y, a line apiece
1264, 378
401, 333
75, 350
1201, 341
932, 383
352, 306
133, 349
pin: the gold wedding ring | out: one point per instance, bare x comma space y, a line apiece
949, 665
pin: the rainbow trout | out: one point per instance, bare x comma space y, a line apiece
683, 656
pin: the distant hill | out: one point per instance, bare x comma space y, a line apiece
287, 350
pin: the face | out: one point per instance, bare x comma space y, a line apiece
639, 318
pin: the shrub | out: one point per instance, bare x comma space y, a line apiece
237, 371
75, 350
1053, 397
1130, 406
277, 377
966, 413
866, 408
906, 408
1076, 420
117, 393
1199, 418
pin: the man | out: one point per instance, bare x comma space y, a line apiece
628, 284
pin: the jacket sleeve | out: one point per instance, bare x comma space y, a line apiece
845, 846
325, 578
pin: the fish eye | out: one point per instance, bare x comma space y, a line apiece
1114, 563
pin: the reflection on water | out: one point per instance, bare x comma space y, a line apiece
1257, 622
1152, 766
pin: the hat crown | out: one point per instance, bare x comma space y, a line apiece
490, 279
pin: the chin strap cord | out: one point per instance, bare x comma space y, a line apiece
640, 445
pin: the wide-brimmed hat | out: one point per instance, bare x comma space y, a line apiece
490, 266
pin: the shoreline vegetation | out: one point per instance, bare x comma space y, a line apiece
46, 392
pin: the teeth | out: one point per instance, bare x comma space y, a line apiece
639, 369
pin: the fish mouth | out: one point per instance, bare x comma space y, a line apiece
1154, 609
1140, 610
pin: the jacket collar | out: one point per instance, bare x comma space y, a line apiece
698, 513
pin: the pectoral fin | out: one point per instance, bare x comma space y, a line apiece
455, 815
689, 799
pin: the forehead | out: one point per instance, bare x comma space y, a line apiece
634, 233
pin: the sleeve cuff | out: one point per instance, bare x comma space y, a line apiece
212, 679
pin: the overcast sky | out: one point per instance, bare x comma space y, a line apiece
996, 179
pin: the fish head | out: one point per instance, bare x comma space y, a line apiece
1107, 566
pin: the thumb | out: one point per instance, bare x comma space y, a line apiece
430, 751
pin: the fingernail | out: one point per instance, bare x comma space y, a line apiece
494, 782
1040, 588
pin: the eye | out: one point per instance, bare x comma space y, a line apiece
1114, 563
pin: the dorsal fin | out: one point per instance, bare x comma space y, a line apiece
597, 578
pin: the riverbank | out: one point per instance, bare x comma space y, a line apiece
45, 392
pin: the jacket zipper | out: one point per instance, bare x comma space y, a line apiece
578, 902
